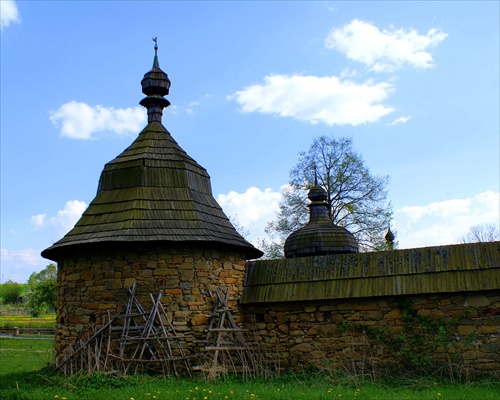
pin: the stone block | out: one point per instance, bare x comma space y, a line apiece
437, 314
283, 329
306, 317
177, 259
145, 273
465, 329
344, 306
485, 329
281, 317
477, 301
87, 275
200, 319
173, 291
106, 306
393, 314
424, 313
355, 317
73, 277
319, 317
302, 347
372, 315
114, 284
186, 275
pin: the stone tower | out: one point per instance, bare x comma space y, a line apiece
155, 223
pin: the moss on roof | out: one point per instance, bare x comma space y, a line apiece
153, 192
453, 268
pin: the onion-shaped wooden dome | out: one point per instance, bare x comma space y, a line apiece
320, 236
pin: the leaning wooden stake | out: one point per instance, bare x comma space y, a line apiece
144, 343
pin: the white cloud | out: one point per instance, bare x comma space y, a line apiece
26, 256
401, 120
8, 13
327, 100
64, 220
252, 209
78, 120
38, 220
69, 215
386, 50
447, 221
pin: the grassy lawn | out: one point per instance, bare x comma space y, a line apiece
23, 375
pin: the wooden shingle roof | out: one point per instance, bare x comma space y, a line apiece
153, 192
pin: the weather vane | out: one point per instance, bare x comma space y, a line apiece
155, 39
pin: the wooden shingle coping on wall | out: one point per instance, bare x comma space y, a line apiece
452, 268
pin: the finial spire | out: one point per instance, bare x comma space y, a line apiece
155, 62
155, 85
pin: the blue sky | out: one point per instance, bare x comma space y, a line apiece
415, 84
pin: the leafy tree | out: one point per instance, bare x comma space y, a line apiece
357, 200
10, 291
41, 291
482, 233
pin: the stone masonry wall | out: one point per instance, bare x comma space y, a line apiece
457, 330
91, 285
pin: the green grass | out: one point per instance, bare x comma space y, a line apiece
27, 321
24, 376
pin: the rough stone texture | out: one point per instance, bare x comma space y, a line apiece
93, 286
362, 333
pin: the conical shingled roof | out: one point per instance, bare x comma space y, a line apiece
153, 192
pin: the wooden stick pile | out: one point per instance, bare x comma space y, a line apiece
134, 341
227, 349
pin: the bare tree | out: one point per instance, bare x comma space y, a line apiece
482, 233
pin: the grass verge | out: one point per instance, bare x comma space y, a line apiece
27, 321
24, 375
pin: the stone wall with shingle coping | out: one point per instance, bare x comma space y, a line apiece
93, 286
369, 310
461, 330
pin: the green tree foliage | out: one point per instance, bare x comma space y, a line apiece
10, 291
41, 291
357, 200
